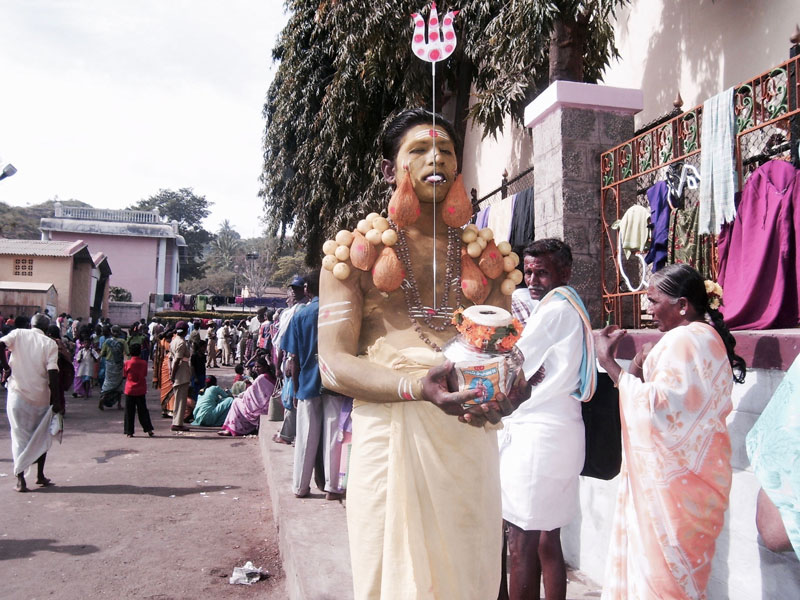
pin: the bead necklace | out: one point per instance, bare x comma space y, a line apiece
444, 312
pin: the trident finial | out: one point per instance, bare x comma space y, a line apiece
441, 41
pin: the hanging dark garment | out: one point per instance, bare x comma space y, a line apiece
659, 217
687, 246
522, 223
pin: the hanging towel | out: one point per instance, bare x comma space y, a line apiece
718, 184
500, 219
522, 223
658, 196
633, 231
201, 302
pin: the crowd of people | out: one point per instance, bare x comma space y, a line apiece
441, 486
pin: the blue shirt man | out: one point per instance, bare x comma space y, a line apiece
317, 410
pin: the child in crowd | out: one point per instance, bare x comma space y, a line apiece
135, 373
240, 381
86, 358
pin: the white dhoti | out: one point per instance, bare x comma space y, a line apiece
30, 431
423, 498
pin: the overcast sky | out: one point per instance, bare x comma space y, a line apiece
108, 101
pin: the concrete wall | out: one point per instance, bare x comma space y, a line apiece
125, 313
81, 289
46, 269
697, 47
132, 259
485, 160
742, 569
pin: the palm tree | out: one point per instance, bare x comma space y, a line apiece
224, 248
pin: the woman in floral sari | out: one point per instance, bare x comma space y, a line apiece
676, 471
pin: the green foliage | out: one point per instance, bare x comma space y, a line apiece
119, 294
189, 210
286, 267
224, 248
346, 66
22, 222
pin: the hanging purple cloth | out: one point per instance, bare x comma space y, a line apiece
659, 218
482, 218
758, 253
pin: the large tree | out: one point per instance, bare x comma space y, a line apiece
224, 248
189, 210
346, 66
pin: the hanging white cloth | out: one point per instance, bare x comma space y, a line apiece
719, 181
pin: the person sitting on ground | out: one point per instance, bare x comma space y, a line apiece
212, 405
240, 381
246, 409
135, 372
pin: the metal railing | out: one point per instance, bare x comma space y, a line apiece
768, 126
101, 214
521, 181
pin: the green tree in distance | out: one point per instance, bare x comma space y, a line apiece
119, 294
189, 210
224, 248
346, 66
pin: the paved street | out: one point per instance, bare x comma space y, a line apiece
164, 517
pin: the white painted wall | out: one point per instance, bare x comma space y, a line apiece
697, 47
742, 569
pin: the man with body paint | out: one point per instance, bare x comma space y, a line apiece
423, 491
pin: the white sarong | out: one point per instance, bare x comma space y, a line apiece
30, 431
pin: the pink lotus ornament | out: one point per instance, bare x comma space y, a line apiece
441, 40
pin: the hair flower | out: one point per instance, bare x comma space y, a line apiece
714, 292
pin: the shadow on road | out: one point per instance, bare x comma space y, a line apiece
121, 489
27, 548
112, 453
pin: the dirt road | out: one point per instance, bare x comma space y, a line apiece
164, 517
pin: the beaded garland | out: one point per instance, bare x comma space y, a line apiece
411, 292
380, 230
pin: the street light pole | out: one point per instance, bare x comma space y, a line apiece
8, 171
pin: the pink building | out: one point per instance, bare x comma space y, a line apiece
144, 249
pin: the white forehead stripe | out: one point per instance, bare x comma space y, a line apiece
433, 133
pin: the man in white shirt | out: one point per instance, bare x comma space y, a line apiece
33, 396
542, 441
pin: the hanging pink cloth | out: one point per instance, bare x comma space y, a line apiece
759, 252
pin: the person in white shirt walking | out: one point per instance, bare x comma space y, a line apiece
33, 396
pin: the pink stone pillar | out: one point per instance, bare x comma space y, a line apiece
572, 123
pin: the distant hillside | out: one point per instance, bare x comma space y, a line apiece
22, 222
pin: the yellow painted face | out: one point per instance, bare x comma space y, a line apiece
429, 157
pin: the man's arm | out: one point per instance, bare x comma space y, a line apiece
55, 396
3, 362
